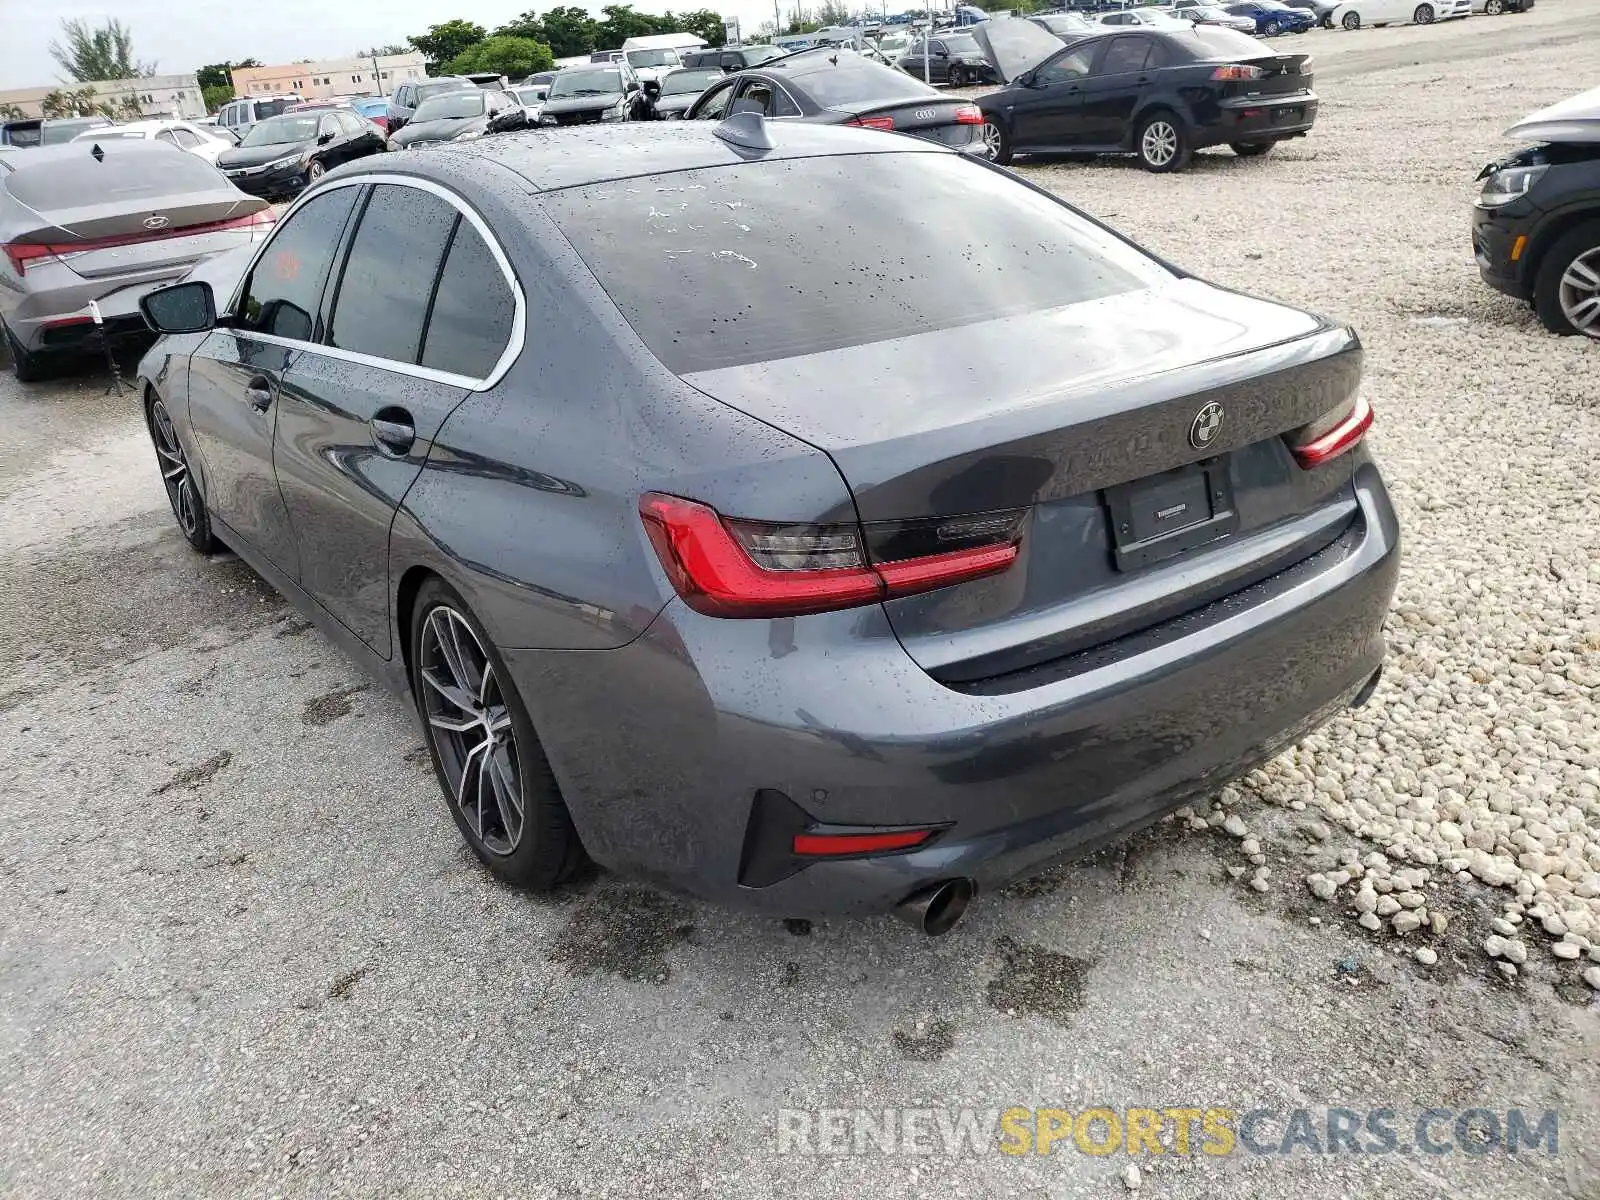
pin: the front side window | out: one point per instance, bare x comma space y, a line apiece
714, 104
281, 296
473, 309
382, 300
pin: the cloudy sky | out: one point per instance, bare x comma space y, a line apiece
275, 31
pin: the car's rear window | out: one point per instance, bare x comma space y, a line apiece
760, 261
1207, 43
79, 181
856, 81
272, 108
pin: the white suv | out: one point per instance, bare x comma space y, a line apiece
239, 115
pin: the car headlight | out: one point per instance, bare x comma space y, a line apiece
288, 160
614, 113
468, 135
1509, 184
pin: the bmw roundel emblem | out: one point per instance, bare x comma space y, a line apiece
1207, 424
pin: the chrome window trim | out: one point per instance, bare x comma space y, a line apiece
514, 344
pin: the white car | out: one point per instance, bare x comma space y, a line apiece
206, 143
531, 99
1355, 13
1152, 18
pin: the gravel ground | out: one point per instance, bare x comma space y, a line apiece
244, 952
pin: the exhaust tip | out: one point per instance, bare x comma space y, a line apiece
935, 909
1367, 689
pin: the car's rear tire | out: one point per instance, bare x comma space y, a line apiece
1272, 29
488, 759
1423, 14
27, 367
1162, 144
1351, 20
1566, 291
315, 172
997, 144
1251, 149
177, 477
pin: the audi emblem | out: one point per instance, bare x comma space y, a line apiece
153, 223
925, 114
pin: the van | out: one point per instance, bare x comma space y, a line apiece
237, 116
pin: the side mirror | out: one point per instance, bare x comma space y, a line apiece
324, 138
182, 308
652, 88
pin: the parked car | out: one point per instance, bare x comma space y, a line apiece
682, 88
194, 139
824, 87
408, 96
1204, 14
991, 626
540, 81
1494, 8
731, 58
1273, 17
488, 80
1155, 93
374, 109
27, 133
1321, 10
100, 224
532, 101
1536, 224
953, 58
283, 155
1353, 14
1065, 25
240, 116
461, 117
585, 95
1153, 18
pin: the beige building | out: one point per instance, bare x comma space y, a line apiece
157, 96
332, 77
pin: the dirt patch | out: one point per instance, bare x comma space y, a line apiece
1037, 981
326, 709
341, 987
623, 931
929, 1042
193, 777
292, 628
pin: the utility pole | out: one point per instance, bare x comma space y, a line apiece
777, 20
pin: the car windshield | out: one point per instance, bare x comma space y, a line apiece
653, 58
688, 83
754, 56
282, 130
451, 107
750, 254
600, 82
427, 91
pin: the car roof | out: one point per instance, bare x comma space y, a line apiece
550, 160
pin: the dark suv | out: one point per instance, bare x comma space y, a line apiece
408, 96
55, 131
1536, 221
732, 58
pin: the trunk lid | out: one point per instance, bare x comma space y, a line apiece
924, 116
1086, 400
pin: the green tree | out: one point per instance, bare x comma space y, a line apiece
623, 21
215, 97
88, 53
445, 41
570, 31
388, 51
71, 102
831, 12
513, 57
220, 75
10, 112
704, 23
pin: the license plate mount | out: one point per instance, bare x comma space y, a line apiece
1161, 516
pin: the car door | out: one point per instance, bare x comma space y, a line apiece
713, 105
1049, 110
236, 374
1112, 91
362, 135
360, 411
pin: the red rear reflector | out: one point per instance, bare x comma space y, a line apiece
63, 321
969, 114
1345, 433
1237, 71
872, 122
727, 568
825, 844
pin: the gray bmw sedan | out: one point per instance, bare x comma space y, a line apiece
705, 551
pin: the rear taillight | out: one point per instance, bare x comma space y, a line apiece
1314, 444
872, 122
730, 568
1237, 71
22, 256
969, 114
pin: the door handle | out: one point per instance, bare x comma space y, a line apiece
259, 393
393, 431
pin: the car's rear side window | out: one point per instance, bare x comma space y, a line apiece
281, 296
765, 260
383, 294
472, 309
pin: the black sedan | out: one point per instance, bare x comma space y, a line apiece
834, 87
462, 117
1155, 93
721, 523
283, 155
952, 57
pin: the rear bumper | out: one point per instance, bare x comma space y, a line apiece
661, 746
1260, 119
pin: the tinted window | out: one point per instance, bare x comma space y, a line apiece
1216, 43
472, 312
1125, 54
765, 263
394, 258
271, 108
186, 139
59, 133
1074, 64
353, 124
130, 172
714, 103
855, 79
281, 295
